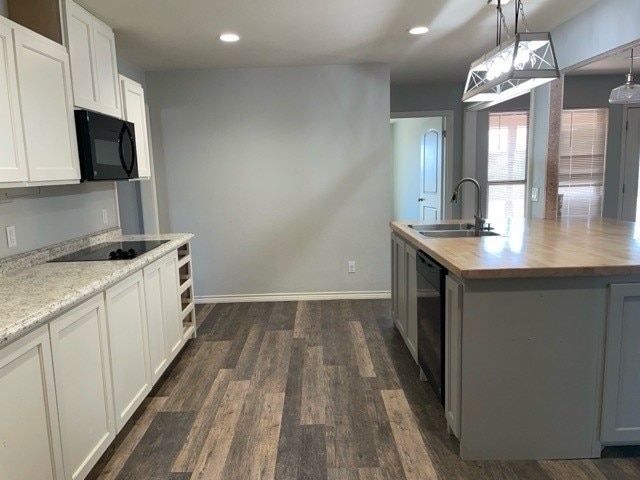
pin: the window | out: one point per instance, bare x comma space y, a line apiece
507, 168
583, 143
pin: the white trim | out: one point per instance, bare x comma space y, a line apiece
115, 194
284, 297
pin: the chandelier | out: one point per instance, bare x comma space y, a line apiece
514, 67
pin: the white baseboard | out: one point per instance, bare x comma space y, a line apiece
284, 297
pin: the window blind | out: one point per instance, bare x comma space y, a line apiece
507, 165
583, 145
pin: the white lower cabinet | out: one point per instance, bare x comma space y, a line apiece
453, 353
128, 346
67, 388
163, 312
620, 412
29, 430
404, 293
83, 385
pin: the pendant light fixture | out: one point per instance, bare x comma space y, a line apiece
514, 67
627, 93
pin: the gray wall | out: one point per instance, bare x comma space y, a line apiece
603, 27
129, 192
55, 215
283, 174
3, 8
434, 97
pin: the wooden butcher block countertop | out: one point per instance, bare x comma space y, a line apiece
536, 248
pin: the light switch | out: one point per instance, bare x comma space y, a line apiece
534, 194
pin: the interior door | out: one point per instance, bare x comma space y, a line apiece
431, 170
631, 161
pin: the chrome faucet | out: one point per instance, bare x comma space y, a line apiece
479, 224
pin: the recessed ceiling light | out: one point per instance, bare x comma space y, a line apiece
418, 30
229, 37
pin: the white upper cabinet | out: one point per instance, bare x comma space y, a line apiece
93, 61
13, 167
134, 111
46, 107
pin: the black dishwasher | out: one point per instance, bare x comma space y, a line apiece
431, 282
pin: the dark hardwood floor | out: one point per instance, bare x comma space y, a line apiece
306, 390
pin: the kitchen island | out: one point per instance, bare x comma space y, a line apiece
543, 336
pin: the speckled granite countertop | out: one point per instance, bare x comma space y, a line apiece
35, 294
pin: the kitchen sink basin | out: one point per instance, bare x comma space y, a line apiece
442, 226
456, 233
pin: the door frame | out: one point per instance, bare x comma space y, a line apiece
447, 181
624, 165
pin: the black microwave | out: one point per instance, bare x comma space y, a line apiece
107, 147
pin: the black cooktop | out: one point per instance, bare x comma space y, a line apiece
111, 251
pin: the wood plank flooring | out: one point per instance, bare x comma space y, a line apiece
308, 390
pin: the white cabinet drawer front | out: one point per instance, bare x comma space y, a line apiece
83, 385
12, 160
29, 432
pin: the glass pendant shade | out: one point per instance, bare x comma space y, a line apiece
512, 69
627, 93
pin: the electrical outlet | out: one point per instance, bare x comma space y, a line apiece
534, 194
352, 266
105, 216
11, 236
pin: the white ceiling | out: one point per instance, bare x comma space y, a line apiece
170, 34
617, 64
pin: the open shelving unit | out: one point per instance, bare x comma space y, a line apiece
185, 277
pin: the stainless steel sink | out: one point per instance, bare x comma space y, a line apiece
442, 226
456, 233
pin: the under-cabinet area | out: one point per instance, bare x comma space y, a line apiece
80, 376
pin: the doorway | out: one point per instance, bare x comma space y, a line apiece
630, 191
420, 153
